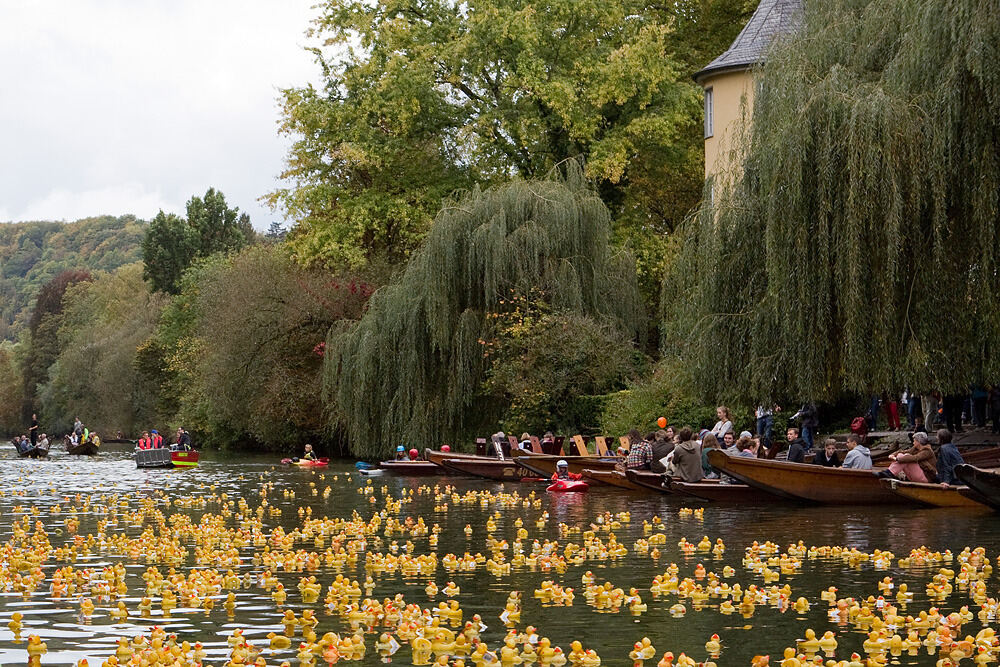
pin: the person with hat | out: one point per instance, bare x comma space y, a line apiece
156, 438
562, 471
400, 453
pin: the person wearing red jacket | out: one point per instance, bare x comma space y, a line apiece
562, 471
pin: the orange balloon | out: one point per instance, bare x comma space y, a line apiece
662, 422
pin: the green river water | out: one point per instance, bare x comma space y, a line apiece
28, 486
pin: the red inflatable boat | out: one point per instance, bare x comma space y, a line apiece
567, 485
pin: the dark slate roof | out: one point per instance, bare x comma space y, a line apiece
772, 18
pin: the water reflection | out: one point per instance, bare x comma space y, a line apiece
109, 489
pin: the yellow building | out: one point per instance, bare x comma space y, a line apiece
728, 80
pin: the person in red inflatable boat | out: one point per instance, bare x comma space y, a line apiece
562, 471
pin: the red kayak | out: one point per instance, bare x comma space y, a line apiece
318, 463
567, 485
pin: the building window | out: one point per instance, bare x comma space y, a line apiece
709, 113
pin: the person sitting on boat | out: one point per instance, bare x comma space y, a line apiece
796, 446
827, 456
156, 440
748, 447
309, 454
948, 457
918, 463
144, 442
709, 441
43, 442
562, 471
525, 443
400, 453
662, 447
640, 453
686, 463
858, 456
95, 440
73, 439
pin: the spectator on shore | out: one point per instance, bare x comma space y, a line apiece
765, 424
809, 417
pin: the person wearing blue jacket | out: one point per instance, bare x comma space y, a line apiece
948, 457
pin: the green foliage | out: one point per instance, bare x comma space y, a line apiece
33, 253
11, 391
660, 395
172, 243
412, 369
422, 98
43, 339
542, 362
94, 375
239, 351
857, 247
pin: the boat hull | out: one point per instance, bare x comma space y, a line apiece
647, 479
982, 482
804, 481
412, 468
487, 468
184, 459
153, 458
721, 493
611, 478
84, 449
932, 495
544, 465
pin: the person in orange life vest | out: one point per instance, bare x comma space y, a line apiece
157, 439
562, 471
144, 441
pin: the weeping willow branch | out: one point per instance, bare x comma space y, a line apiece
860, 228
411, 370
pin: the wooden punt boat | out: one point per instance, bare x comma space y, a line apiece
83, 449
723, 493
804, 481
647, 479
544, 465
610, 478
36, 452
500, 470
417, 467
981, 457
932, 495
985, 483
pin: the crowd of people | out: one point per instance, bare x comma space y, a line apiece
932, 409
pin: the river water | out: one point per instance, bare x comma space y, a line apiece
109, 493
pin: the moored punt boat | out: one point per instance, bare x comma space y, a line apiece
932, 495
437, 456
804, 481
417, 467
723, 493
986, 483
647, 479
499, 470
544, 465
981, 457
611, 478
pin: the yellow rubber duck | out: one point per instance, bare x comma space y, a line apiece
713, 645
810, 644
828, 642
279, 642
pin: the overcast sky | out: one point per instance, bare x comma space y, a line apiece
130, 106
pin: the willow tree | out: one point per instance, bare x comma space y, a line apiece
856, 246
411, 370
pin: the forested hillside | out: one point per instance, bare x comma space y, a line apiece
32, 253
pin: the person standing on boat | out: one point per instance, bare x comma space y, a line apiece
33, 430
858, 456
948, 458
144, 441
765, 424
183, 440
810, 422
77, 427
156, 439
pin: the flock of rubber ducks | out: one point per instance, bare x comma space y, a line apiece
197, 565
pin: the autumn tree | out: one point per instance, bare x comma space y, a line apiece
423, 97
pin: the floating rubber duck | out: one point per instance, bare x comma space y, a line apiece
713, 645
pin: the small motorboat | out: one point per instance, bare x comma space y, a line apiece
166, 458
184, 459
567, 486
318, 463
